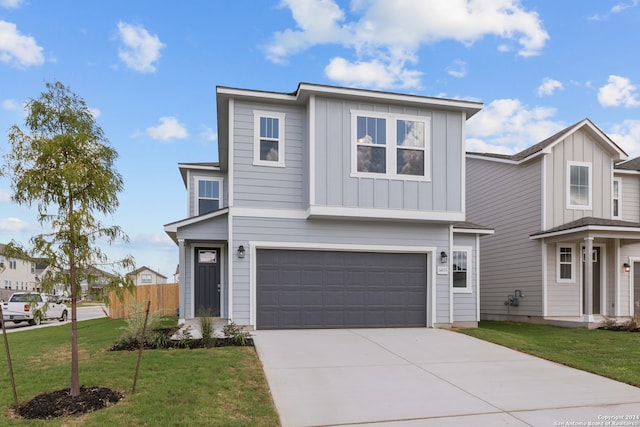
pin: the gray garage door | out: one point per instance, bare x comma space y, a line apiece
320, 289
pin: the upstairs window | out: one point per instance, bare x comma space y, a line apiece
209, 195
391, 145
145, 278
616, 199
579, 185
268, 140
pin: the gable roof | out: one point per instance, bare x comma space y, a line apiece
143, 268
207, 166
546, 145
630, 165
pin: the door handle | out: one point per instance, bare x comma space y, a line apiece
218, 287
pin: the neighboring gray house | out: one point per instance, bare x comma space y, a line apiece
330, 208
551, 204
146, 276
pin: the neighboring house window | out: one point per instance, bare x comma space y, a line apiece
145, 278
268, 140
391, 145
579, 185
33, 268
209, 195
12, 264
616, 198
461, 271
566, 264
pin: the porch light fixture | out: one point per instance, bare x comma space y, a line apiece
241, 251
443, 257
626, 267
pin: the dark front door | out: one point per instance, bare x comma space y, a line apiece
596, 282
207, 281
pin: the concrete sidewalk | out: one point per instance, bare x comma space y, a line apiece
429, 377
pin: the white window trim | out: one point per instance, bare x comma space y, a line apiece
573, 262
391, 147
196, 195
619, 198
257, 115
568, 185
469, 288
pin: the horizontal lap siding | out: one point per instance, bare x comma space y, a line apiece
265, 186
630, 198
331, 232
464, 304
508, 199
333, 162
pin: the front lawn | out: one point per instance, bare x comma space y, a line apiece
197, 387
615, 355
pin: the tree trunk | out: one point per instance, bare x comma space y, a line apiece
75, 380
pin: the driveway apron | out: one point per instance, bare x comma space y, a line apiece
430, 377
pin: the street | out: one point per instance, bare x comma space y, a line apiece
84, 313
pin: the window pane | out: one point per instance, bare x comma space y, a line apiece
207, 205
410, 133
372, 159
371, 130
410, 162
269, 150
459, 269
210, 189
459, 279
565, 271
579, 186
269, 127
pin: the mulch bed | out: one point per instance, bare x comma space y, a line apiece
60, 403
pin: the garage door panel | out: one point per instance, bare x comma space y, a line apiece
320, 289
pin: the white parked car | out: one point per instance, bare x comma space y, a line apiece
33, 308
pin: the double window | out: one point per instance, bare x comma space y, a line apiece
146, 278
579, 185
268, 138
390, 145
209, 195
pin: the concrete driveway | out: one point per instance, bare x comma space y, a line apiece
430, 377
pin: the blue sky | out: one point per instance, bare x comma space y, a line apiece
148, 70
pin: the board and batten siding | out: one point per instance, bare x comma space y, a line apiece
630, 198
507, 198
332, 157
465, 308
332, 232
577, 147
258, 186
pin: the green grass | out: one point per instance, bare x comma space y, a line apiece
611, 354
202, 387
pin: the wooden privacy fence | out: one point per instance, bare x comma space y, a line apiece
164, 300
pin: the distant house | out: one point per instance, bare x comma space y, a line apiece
146, 276
331, 207
19, 274
566, 214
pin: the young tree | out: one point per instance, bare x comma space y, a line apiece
65, 167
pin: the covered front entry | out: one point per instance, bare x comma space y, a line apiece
595, 282
207, 281
336, 289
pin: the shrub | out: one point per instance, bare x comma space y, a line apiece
135, 325
206, 326
235, 333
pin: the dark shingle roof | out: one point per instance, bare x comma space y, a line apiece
589, 221
631, 164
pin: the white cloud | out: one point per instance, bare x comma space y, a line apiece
207, 135
373, 74
16, 49
458, 69
508, 126
95, 112
14, 225
619, 91
141, 50
387, 35
627, 136
11, 4
168, 129
620, 7
11, 105
548, 87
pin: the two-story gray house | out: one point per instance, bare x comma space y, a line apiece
331, 207
551, 205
